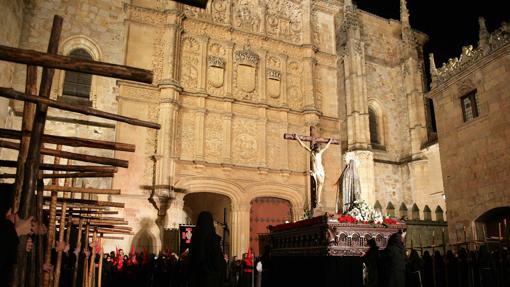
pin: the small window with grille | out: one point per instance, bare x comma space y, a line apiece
470, 106
77, 85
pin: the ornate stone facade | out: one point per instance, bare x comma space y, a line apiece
229, 81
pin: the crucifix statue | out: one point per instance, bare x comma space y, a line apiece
317, 172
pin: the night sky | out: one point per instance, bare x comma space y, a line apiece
449, 26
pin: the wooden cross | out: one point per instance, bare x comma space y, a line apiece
313, 138
31, 137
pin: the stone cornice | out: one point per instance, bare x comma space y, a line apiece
499, 40
440, 86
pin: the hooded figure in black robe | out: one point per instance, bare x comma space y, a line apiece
207, 266
394, 258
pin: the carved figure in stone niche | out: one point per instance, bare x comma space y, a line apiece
318, 173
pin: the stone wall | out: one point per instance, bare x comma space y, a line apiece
474, 154
11, 19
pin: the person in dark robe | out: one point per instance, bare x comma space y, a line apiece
428, 266
414, 270
205, 256
465, 277
394, 258
486, 267
11, 227
371, 260
452, 267
440, 269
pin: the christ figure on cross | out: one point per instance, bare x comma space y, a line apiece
316, 152
318, 173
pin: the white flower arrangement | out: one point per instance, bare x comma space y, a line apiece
365, 213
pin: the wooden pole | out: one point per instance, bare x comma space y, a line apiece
421, 244
81, 189
92, 260
80, 168
31, 168
91, 213
78, 175
68, 141
444, 241
85, 274
100, 267
78, 247
26, 127
15, 95
40, 247
87, 203
51, 227
36, 58
58, 264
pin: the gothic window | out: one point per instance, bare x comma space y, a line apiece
372, 121
470, 106
77, 85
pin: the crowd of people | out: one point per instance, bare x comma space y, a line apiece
205, 264
395, 267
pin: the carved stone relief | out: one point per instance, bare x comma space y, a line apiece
221, 11
274, 144
294, 94
214, 136
284, 19
190, 63
218, 12
247, 16
245, 75
187, 135
244, 142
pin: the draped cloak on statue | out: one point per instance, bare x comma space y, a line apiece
349, 188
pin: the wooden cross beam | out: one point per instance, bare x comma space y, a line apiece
65, 175
101, 222
70, 141
91, 213
70, 155
35, 58
87, 203
63, 167
312, 138
15, 95
81, 189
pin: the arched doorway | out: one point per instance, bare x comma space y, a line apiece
217, 204
496, 221
266, 211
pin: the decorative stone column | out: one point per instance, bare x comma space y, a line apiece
240, 228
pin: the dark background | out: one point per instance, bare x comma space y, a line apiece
450, 24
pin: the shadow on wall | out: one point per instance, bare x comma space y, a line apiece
144, 237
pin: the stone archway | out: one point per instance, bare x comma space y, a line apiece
494, 221
265, 211
220, 207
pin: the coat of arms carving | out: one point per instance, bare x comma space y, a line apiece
273, 83
215, 71
246, 70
